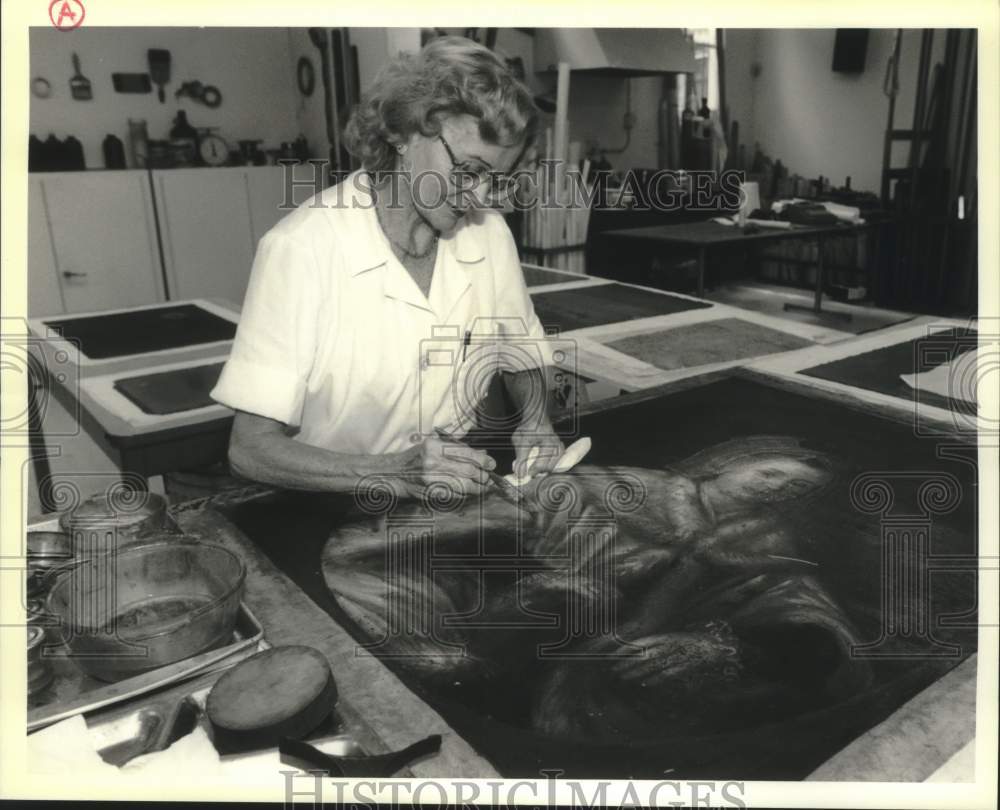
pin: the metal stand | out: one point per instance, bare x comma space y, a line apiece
817, 307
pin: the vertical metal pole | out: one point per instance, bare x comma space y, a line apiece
701, 271
892, 82
818, 298
919, 110
720, 63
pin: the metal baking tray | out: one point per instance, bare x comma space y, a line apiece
73, 692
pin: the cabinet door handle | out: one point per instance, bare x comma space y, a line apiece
72, 274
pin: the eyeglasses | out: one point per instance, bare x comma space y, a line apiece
500, 184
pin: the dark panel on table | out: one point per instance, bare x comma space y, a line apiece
175, 391
699, 344
537, 276
144, 330
879, 370
842, 542
605, 303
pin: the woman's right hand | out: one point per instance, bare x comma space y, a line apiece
448, 463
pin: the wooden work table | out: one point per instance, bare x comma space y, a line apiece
377, 710
707, 235
143, 445
384, 714
381, 712
140, 445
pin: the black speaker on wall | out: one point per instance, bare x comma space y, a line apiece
849, 48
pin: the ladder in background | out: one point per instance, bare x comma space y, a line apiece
934, 199
917, 136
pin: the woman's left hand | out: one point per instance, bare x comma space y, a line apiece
550, 448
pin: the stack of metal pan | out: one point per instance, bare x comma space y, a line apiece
39, 670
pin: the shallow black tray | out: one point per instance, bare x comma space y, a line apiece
599, 304
174, 391
139, 331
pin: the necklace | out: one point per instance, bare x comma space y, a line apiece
399, 247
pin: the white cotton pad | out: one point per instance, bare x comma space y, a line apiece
567, 461
519, 481
574, 455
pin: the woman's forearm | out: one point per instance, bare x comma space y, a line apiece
280, 461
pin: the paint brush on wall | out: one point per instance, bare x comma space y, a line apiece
79, 85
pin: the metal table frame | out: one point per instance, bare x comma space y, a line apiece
704, 235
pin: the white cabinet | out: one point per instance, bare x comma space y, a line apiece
265, 192
44, 296
212, 219
208, 242
102, 238
275, 190
93, 235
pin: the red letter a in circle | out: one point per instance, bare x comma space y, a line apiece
66, 14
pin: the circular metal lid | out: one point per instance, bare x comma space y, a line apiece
49, 547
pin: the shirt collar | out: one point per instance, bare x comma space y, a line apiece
371, 251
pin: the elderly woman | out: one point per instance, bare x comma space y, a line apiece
376, 311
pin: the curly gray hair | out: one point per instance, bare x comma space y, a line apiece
449, 76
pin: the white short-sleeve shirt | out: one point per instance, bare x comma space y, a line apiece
335, 337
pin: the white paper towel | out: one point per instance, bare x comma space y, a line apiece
958, 379
71, 747
66, 747
749, 200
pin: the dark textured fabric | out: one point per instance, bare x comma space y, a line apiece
879, 369
144, 330
605, 303
164, 392
711, 342
537, 276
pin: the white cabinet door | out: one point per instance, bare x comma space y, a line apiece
205, 225
44, 297
104, 239
265, 190
275, 190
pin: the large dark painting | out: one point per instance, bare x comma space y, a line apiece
707, 596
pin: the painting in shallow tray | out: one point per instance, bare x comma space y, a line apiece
702, 598
583, 307
881, 369
717, 341
148, 329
